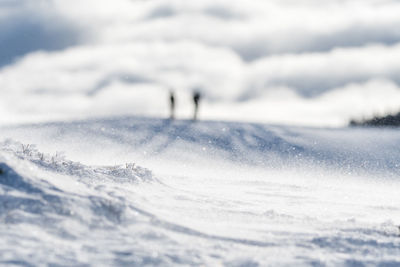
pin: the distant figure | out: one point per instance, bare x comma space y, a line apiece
196, 100
172, 104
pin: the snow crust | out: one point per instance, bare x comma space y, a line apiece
219, 193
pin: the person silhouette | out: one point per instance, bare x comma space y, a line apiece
196, 100
172, 104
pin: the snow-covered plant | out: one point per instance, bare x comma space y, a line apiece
129, 172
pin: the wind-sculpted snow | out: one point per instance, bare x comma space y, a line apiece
57, 163
218, 193
47, 203
28, 192
125, 139
135, 191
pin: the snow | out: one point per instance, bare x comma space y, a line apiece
211, 193
91, 172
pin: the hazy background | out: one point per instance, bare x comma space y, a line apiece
314, 62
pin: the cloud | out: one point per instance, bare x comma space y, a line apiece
135, 79
26, 28
332, 109
96, 57
312, 74
257, 29
77, 78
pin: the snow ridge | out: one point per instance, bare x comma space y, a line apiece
48, 202
58, 163
209, 197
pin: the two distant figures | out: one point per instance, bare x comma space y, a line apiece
196, 101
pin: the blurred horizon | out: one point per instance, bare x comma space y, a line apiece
309, 62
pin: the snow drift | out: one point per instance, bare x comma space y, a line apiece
137, 191
218, 193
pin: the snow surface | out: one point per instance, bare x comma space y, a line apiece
209, 193
85, 180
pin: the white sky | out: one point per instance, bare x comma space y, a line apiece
315, 63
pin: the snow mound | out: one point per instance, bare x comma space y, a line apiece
306, 196
54, 202
147, 141
59, 164
36, 187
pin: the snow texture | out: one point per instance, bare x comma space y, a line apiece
92, 78
218, 193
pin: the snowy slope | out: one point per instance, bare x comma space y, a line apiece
127, 190
208, 193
